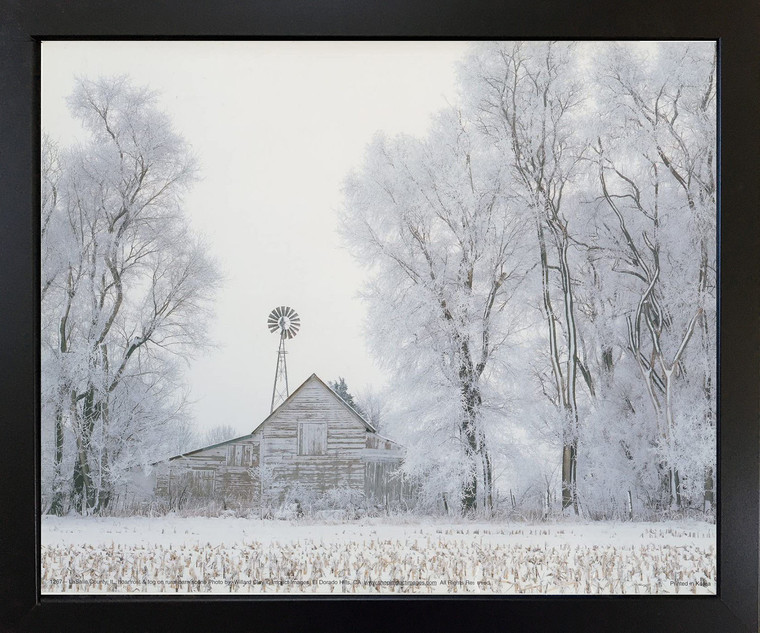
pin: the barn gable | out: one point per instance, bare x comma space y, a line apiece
311, 387
312, 443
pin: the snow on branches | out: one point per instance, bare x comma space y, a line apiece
126, 289
541, 280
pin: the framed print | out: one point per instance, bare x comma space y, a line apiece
336, 318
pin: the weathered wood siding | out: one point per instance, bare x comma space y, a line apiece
383, 484
284, 466
312, 444
226, 475
378, 442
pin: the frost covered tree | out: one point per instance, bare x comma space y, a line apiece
369, 403
373, 406
598, 162
184, 436
524, 97
656, 169
341, 388
217, 434
126, 289
430, 220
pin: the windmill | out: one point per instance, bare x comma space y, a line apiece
287, 322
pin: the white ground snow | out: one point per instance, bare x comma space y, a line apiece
238, 555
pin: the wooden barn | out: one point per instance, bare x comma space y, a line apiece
312, 445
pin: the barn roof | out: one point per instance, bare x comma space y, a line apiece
366, 424
205, 448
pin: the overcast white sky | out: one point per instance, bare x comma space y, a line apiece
276, 127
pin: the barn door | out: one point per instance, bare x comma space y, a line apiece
312, 438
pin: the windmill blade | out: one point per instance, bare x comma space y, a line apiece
273, 321
286, 320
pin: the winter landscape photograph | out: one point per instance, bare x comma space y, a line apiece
378, 318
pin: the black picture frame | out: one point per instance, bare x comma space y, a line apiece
732, 22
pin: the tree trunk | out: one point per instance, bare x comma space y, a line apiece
709, 483
83, 492
570, 432
674, 488
569, 476
104, 484
709, 500
476, 451
470, 485
56, 506
487, 478
551, 319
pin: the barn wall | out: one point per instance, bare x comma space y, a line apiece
226, 475
285, 470
383, 484
311, 445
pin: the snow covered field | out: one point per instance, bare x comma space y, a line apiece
236, 555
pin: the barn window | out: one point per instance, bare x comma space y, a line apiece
312, 438
239, 455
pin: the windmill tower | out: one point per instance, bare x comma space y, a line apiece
286, 321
